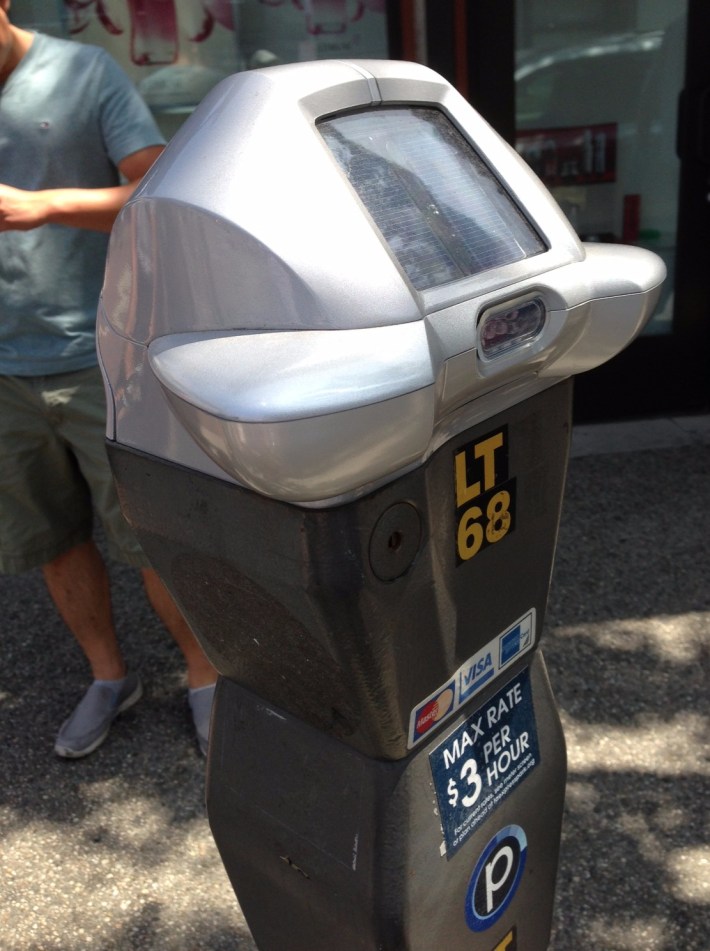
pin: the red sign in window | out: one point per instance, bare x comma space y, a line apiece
581, 155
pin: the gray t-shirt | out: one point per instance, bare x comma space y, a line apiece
68, 116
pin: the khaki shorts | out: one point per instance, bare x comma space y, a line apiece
54, 471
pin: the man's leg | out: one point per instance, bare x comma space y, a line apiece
83, 428
201, 675
78, 583
200, 672
46, 513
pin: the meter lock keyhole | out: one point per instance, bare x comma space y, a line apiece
395, 541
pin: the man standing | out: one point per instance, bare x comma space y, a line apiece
75, 140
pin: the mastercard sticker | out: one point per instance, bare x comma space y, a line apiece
432, 711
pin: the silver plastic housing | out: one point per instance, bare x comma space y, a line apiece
254, 324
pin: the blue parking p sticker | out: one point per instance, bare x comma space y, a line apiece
484, 759
496, 878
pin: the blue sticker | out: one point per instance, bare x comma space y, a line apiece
510, 645
485, 758
496, 878
476, 673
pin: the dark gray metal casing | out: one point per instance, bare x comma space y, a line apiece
330, 633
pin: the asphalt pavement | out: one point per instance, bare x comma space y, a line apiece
114, 852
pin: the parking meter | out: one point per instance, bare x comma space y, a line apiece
338, 330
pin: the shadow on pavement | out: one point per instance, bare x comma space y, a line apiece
627, 642
114, 853
111, 852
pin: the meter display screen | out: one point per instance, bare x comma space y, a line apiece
441, 210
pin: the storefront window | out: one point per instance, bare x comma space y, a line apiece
177, 50
597, 89
288, 31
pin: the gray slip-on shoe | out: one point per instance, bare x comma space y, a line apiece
200, 700
88, 726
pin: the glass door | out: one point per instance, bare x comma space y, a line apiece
599, 96
610, 103
596, 117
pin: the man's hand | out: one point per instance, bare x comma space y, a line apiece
22, 210
92, 208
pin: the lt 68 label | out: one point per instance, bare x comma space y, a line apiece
485, 496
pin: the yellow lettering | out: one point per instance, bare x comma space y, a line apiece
499, 517
486, 450
464, 491
470, 534
506, 942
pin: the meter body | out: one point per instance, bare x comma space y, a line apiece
339, 327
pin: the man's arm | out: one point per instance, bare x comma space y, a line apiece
92, 208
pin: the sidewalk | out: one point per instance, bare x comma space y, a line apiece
640, 435
627, 642
114, 853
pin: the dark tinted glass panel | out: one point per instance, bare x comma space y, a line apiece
441, 210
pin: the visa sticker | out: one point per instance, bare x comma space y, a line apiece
472, 676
